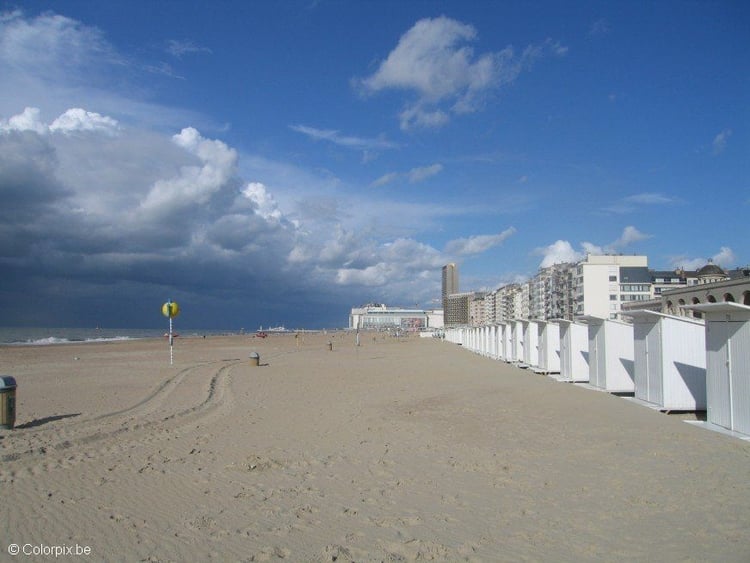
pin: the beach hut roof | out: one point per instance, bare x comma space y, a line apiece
645, 313
598, 320
724, 307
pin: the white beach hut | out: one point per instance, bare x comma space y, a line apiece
516, 341
670, 361
549, 347
727, 364
482, 344
574, 351
611, 356
530, 343
499, 341
491, 342
507, 346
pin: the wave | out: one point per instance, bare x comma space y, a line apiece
56, 340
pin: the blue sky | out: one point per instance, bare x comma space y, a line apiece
281, 162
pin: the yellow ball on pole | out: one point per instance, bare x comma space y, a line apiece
170, 309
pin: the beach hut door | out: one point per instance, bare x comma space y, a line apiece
653, 363
728, 386
599, 363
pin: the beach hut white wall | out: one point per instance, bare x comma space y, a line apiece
611, 355
516, 341
510, 338
499, 342
506, 341
549, 347
574, 351
727, 364
530, 343
670, 360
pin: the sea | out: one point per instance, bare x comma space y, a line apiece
34, 336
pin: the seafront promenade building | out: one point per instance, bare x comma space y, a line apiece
376, 316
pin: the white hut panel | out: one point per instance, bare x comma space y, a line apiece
670, 362
516, 341
727, 364
507, 342
574, 352
611, 356
549, 347
530, 343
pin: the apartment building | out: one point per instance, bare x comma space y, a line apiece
551, 293
457, 308
602, 283
511, 302
477, 310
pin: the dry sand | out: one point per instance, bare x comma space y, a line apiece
393, 451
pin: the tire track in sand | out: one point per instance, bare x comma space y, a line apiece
128, 424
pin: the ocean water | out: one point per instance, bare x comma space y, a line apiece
34, 336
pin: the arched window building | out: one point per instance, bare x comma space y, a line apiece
715, 285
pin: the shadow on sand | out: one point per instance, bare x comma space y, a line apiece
40, 421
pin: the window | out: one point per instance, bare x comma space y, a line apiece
612, 278
613, 297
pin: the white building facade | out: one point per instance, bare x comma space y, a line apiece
602, 282
375, 316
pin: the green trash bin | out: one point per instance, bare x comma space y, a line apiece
7, 401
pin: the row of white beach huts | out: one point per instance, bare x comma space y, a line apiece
668, 362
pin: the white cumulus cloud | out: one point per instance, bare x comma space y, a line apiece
28, 120
72, 120
77, 119
558, 252
195, 184
563, 251
630, 235
434, 60
725, 258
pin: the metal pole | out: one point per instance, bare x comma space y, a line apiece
171, 338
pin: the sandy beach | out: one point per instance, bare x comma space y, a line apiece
397, 450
